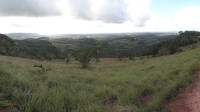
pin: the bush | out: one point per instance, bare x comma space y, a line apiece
84, 56
41, 68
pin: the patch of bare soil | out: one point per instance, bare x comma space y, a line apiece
188, 100
3, 110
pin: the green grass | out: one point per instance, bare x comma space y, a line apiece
120, 86
5, 89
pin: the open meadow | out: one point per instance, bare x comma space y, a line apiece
141, 85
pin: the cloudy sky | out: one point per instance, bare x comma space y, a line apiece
98, 16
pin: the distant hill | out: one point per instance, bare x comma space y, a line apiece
20, 36
123, 45
39, 48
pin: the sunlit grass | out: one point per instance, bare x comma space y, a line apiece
140, 85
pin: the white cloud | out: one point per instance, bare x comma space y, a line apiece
187, 17
110, 11
159, 23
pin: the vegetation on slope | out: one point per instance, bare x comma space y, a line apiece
6, 44
139, 85
172, 46
39, 48
113, 45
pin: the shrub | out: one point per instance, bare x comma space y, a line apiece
84, 56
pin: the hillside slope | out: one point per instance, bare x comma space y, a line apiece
6, 44
39, 48
140, 86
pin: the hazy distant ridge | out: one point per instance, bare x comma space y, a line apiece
20, 36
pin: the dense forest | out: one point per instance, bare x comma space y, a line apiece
114, 46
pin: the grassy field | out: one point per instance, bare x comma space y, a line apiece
110, 86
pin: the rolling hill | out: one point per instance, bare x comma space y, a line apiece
142, 85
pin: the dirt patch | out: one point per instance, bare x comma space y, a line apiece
3, 110
188, 100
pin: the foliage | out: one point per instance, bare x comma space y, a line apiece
172, 46
112, 45
6, 44
143, 85
37, 49
97, 52
84, 56
140, 86
6, 89
109, 45
41, 68
29, 48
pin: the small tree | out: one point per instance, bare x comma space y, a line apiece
97, 52
84, 56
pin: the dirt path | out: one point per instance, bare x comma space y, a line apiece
188, 100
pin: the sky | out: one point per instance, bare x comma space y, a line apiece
98, 16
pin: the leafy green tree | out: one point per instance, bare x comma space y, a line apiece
84, 56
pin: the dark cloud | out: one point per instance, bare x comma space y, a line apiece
34, 8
